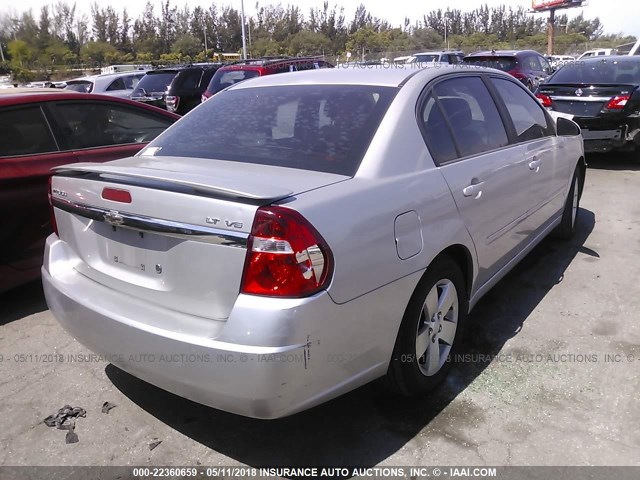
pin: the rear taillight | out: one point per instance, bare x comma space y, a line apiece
618, 102
286, 256
54, 225
545, 100
172, 102
518, 75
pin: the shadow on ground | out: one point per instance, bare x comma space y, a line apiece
21, 302
629, 161
367, 426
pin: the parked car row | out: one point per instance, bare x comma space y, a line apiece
179, 89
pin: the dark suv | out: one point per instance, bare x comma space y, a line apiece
187, 87
257, 67
154, 85
528, 66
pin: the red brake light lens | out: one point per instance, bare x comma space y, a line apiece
545, 100
52, 214
286, 256
116, 195
517, 74
618, 102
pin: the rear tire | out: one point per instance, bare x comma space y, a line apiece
567, 227
430, 332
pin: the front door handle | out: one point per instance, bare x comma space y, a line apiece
473, 190
534, 164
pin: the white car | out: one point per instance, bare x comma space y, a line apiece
119, 85
598, 52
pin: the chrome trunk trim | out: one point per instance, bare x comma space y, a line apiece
160, 226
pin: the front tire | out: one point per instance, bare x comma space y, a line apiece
431, 330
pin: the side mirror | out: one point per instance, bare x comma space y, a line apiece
567, 128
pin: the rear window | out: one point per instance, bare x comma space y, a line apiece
225, 78
599, 71
324, 128
79, 86
154, 82
505, 64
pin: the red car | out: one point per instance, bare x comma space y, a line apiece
42, 129
257, 67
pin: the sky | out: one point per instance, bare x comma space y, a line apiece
616, 15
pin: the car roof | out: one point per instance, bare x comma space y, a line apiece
502, 53
438, 52
256, 63
610, 58
388, 75
55, 94
107, 76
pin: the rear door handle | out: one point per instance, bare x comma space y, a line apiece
473, 190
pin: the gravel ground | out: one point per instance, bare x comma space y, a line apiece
551, 379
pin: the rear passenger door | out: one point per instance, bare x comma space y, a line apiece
488, 177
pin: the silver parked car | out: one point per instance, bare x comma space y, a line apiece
119, 85
297, 236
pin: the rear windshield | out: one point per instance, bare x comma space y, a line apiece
505, 64
225, 78
154, 82
81, 86
323, 128
599, 71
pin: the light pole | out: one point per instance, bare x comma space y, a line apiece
446, 26
204, 30
244, 38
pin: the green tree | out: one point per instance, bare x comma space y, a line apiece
187, 45
21, 53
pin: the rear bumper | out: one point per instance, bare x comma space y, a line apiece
253, 365
601, 136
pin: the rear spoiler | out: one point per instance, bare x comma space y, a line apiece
169, 180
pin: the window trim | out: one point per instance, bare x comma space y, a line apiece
502, 107
427, 90
47, 124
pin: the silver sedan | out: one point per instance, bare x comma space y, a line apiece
297, 236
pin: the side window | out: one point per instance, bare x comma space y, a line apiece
24, 131
445, 59
131, 81
88, 125
527, 114
437, 133
472, 114
544, 64
191, 79
117, 84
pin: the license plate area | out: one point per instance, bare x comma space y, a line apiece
131, 251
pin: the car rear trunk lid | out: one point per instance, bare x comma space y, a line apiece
582, 100
180, 242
